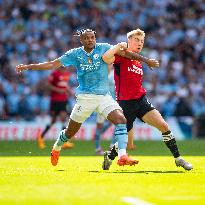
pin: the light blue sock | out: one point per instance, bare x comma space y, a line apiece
106, 125
121, 135
114, 138
99, 132
62, 138
97, 138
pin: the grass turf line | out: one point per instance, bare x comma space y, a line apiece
86, 148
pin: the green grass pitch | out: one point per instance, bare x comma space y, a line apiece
26, 176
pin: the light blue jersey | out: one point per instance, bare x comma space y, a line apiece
112, 84
92, 71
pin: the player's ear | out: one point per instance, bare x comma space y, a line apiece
128, 40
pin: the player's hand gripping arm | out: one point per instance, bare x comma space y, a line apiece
40, 66
136, 56
109, 56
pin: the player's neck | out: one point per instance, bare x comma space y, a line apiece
88, 50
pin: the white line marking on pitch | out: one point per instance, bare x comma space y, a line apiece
135, 201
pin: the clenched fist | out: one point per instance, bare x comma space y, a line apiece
152, 63
122, 45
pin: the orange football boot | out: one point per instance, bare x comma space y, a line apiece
40, 142
54, 157
126, 160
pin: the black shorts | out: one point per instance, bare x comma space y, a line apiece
133, 109
57, 107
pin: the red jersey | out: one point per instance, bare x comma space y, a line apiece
59, 79
128, 78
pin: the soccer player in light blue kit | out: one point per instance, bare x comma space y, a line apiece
92, 93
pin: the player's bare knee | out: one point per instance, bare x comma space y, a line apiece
120, 119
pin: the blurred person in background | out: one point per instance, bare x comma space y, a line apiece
3, 114
59, 94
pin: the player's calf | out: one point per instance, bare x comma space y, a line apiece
170, 142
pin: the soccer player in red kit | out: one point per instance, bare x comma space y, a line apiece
59, 93
131, 97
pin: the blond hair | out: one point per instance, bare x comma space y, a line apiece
137, 32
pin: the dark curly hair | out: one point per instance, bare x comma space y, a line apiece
82, 31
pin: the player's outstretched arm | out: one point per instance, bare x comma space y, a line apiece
40, 66
136, 56
109, 56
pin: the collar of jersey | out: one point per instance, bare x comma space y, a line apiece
88, 54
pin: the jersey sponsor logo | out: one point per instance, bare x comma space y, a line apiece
135, 69
90, 67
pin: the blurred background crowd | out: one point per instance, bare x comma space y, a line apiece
41, 30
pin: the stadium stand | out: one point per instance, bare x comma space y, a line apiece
40, 30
